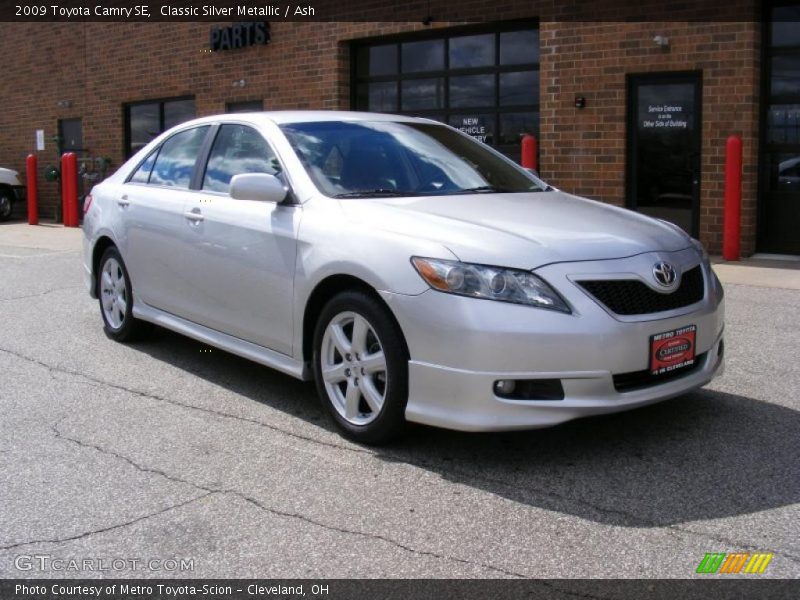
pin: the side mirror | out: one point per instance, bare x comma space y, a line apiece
257, 186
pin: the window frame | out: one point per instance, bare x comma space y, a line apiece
201, 153
126, 117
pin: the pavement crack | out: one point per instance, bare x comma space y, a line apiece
274, 511
38, 294
158, 398
92, 532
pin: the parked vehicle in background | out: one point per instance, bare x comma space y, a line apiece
413, 272
11, 190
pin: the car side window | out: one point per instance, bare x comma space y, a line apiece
238, 149
175, 162
142, 174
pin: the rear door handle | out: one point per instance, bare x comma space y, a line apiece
193, 215
123, 201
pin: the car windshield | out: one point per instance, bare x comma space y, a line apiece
355, 159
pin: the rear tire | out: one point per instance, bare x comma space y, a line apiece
361, 368
115, 295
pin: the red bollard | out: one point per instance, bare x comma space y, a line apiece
732, 222
69, 189
32, 190
529, 151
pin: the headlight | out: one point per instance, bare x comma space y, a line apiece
491, 283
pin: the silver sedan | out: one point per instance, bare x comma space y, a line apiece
413, 273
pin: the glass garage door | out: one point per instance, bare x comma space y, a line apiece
484, 82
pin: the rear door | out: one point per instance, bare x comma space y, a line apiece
154, 231
242, 253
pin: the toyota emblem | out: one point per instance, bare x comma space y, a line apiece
664, 273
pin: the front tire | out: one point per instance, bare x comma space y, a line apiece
6, 204
361, 368
115, 294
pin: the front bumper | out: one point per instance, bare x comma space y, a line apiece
460, 347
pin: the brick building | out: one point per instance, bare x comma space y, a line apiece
627, 110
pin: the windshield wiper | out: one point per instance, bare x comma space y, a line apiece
483, 189
374, 194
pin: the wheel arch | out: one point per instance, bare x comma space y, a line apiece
323, 292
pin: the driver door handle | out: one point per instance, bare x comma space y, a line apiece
123, 201
194, 215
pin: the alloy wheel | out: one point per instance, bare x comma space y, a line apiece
113, 293
354, 368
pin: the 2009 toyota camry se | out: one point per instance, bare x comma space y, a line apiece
414, 273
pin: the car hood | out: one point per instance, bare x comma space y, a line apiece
524, 231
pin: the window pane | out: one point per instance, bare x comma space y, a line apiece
784, 173
246, 106
514, 125
423, 56
237, 149
144, 125
472, 51
479, 126
142, 174
377, 97
786, 25
377, 60
519, 88
517, 47
472, 90
785, 75
175, 162
423, 93
177, 112
784, 124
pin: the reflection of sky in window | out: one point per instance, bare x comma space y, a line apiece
237, 149
472, 51
784, 123
519, 88
422, 93
144, 123
786, 25
423, 56
472, 90
786, 75
517, 47
177, 157
178, 112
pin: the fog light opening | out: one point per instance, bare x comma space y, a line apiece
505, 387
529, 389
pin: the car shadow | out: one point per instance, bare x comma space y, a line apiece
705, 455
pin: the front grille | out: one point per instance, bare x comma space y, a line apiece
638, 380
633, 297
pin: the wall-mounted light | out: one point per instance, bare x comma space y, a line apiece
240, 83
580, 102
64, 104
661, 41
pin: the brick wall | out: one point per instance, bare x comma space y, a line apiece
100, 66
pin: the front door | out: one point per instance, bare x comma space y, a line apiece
663, 166
779, 202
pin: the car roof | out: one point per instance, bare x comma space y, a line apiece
281, 117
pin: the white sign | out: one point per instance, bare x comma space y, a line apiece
39, 140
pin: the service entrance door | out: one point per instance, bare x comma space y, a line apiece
663, 158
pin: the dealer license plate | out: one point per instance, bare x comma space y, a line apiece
672, 349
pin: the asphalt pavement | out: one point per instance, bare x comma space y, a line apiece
164, 451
